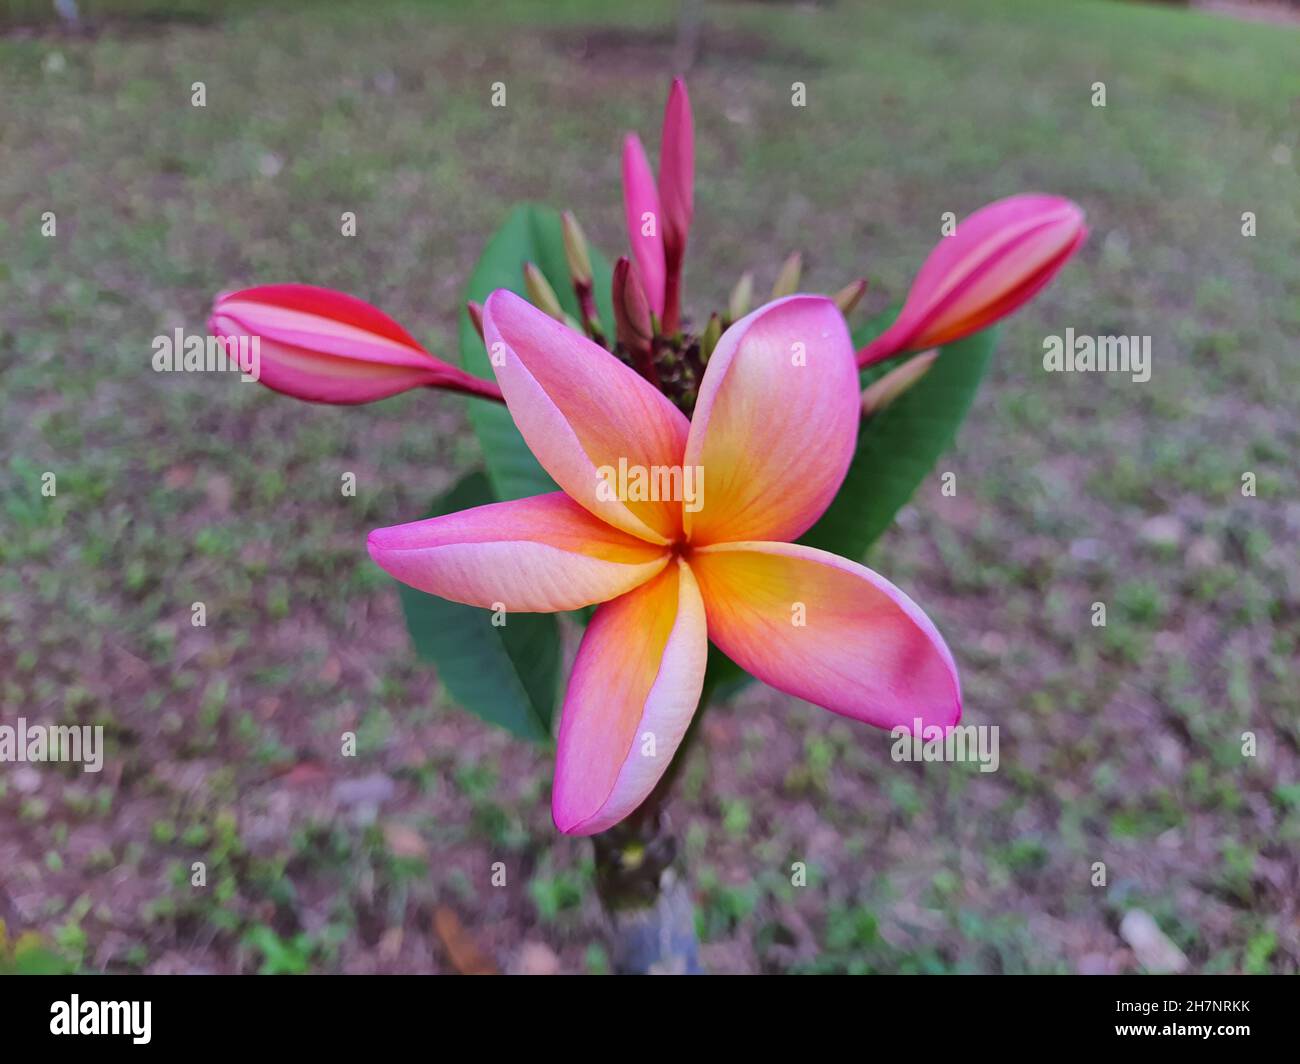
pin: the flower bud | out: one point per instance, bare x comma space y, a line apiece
741, 297
575, 251
631, 308
475, 311
644, 221
998, 259
676, 195
881, 392
540, 293
849, 296
787, 281
328, 347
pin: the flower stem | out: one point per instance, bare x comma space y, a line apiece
647, 901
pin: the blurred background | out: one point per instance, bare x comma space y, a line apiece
1120, 745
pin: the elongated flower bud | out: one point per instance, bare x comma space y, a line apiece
998, 259
850, 295
575, 251
540, 292
644, 221
676, 195
710, 337
880, 393
475, 312
329, 347
633, 319
579, 259
631, 308
742, 295
787, 281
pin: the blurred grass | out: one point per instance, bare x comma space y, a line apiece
41, 14
1120, 744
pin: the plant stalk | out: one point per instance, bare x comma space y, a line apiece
646, 899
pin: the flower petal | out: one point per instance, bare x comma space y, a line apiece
775, 423
330, 347
581, 410
644, 221
864, 650
534, 555
634, 688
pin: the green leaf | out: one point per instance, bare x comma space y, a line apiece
899, 446
507, 675
531, 233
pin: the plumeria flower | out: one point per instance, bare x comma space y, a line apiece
772, 434
764, 406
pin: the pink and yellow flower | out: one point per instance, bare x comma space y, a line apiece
773, 432
774, 406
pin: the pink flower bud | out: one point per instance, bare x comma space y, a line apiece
644, 221
998, 259
329, 347
676, 195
